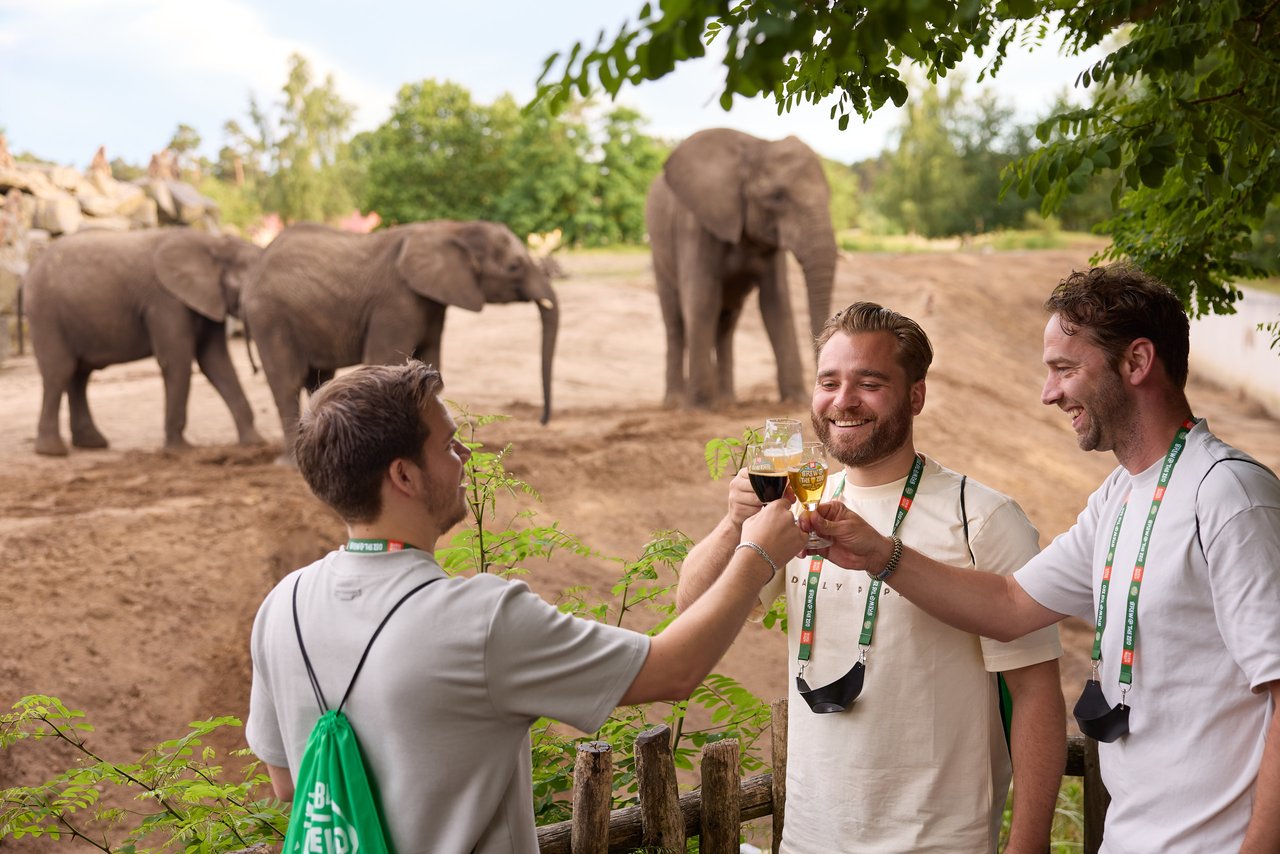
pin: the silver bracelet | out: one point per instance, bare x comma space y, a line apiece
893, 561
758, 549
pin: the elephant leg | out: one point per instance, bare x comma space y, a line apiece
57, 366
432, 334
283, 361
673, 321
701, 302
215, 363
779, 322
726, 324
84, 433
174, 344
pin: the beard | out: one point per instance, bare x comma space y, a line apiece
447, 504
886, 434
1107, 411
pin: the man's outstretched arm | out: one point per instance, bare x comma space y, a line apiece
706, 560
984, 603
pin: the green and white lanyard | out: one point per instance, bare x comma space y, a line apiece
1139, 568
871, 611
377, 546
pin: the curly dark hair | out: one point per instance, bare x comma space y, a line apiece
915, 353
356, 426
1118, 303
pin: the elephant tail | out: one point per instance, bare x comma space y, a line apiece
248, 345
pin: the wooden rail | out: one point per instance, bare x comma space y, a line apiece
664, 819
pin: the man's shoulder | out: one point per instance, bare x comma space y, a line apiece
976, 494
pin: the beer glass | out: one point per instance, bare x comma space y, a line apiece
808, 479
783, 441
768, 478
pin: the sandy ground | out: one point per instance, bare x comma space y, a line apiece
130, 576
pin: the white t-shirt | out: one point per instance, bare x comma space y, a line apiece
919, 763
1208, 638
443, 706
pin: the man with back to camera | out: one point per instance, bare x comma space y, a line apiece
1176, 559
917, 761
446, 697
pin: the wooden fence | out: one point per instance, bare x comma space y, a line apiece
664, 818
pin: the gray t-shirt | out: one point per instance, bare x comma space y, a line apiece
443, 706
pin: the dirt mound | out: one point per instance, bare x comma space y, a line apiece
131, 576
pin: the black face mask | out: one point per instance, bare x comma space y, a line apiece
835, 696
1096, 717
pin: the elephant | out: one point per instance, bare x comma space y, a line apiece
720, 215
99, 298
323, 299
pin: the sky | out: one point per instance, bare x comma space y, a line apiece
76, 74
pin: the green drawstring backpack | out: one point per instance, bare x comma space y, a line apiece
335, 804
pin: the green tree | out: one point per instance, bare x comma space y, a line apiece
550, 182
185, 142
1187, 113
439, 156
631, 159
297, 159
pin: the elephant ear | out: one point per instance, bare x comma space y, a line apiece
707, 173
438, 267
188, 268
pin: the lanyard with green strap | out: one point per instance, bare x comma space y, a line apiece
1139, 568
375, 546
871, 610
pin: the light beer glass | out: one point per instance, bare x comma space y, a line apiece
783, 441
808, 480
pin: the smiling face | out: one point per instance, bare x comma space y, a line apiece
863, 403
1083, 383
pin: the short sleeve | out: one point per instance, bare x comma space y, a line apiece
1061, 577
262, 730
1239, 517
540, 662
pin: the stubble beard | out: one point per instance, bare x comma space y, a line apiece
887, 434
1107, 411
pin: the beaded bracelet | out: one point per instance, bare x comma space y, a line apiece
892, 565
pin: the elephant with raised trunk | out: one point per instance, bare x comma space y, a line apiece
323, 299
721, 216
100, 298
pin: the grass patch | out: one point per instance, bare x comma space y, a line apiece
998, 241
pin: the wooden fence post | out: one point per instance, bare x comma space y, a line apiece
779, 714
661, 821
721, 798
592, 798
1096, 799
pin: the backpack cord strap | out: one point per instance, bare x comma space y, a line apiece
311, 673
374, 637
964, 517
1196, 506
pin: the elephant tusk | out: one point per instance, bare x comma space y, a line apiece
545, 304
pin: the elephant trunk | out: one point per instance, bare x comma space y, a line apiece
816, 252
549, 310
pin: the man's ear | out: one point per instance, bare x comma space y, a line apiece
917, 397
403, 475
1138, 361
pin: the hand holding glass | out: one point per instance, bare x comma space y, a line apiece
809, 479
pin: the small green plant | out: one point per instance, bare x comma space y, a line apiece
185, 800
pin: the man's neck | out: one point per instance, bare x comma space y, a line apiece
896, 466
1153, 433
419, 535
